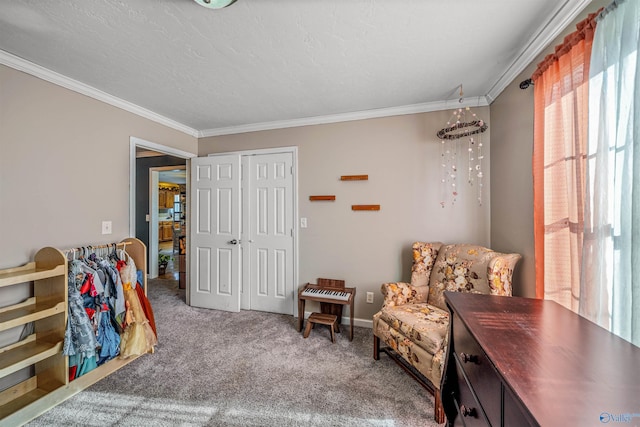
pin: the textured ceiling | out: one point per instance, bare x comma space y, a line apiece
272, 63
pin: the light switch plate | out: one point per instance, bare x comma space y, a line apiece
303, 222
106, 227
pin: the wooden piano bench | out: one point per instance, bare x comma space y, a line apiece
324, 319
327, 296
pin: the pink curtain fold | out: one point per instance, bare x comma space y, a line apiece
561, 84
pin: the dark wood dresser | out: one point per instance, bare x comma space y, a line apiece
519, 361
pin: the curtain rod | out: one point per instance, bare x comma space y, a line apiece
612, 6
526, 83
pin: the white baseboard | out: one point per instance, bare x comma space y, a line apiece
363, 323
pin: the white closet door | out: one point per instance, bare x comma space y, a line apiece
270, 230
215, 232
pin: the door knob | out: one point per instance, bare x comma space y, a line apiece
233, 242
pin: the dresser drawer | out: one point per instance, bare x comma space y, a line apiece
469, 411
478, 370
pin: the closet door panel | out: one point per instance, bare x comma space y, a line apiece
271, 233
215, 236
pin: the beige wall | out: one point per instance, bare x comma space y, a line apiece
64, 166
511, 173
401, 156
512, 182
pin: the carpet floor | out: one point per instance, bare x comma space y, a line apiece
213, 368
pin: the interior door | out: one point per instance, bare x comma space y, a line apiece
268, 232
215, 236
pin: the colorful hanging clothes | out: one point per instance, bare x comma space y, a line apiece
79, 338
138, 337
113, 291
146, 307
109, 314
80, 365
108, 339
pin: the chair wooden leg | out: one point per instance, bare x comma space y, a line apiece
376, 347
438, 409
333, 336
307, 329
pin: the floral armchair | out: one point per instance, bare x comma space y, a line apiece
414, 320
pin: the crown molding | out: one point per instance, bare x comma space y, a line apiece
347, 117
28, 67
563, 16
38, 71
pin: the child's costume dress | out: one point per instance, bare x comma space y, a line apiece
138, 337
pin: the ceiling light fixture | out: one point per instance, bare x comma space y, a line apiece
214, 4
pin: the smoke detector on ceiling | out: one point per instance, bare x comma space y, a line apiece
214, 4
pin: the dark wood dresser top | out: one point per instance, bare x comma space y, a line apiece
564, 369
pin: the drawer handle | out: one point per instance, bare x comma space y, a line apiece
469, 358
467, 412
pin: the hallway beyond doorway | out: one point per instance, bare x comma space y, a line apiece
172, 273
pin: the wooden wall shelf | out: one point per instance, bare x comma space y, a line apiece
365, 207
354, 177
318, 198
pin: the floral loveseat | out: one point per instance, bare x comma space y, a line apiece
414, 320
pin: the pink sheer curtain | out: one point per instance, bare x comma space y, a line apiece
561, 85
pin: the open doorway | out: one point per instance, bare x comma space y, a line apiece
146, 156
168, 222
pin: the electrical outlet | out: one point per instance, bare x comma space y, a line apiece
369, 297
106, 227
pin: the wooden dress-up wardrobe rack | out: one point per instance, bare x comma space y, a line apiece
41, 351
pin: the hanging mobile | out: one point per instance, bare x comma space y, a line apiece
463, 125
